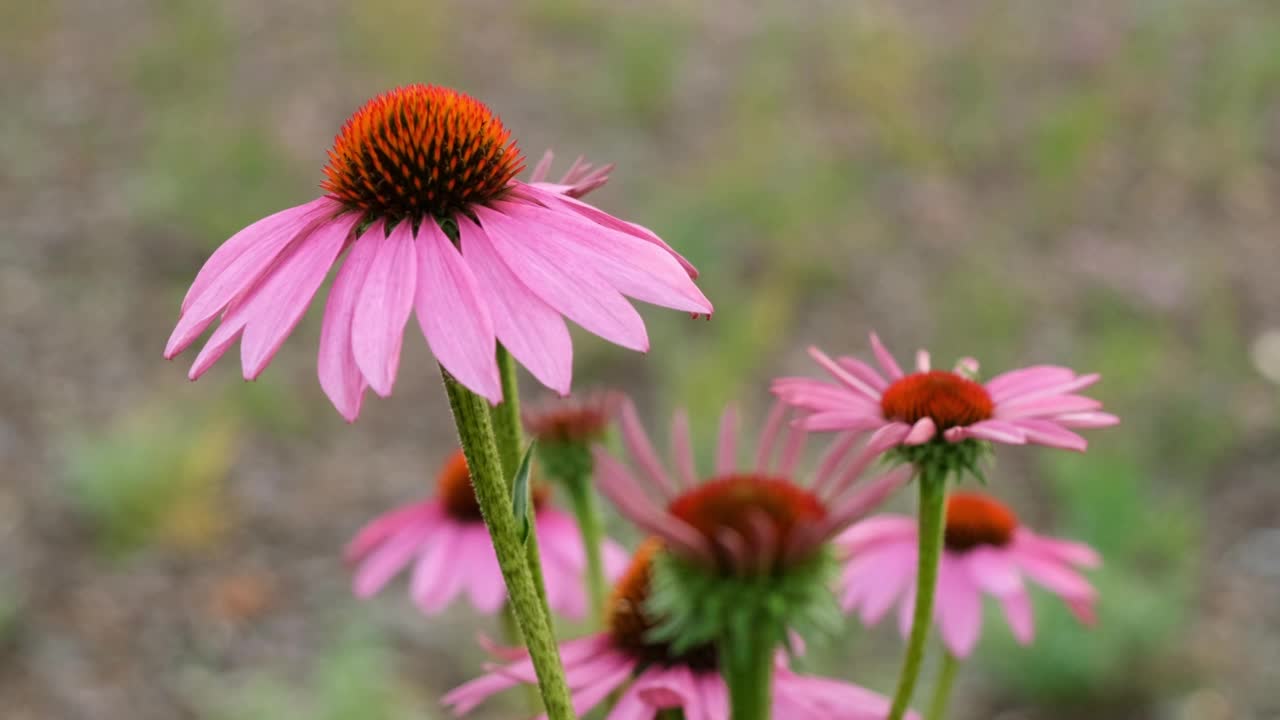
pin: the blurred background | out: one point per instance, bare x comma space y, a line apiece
1090, 183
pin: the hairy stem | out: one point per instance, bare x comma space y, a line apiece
933, 496
942, 692
506, 427
475, 432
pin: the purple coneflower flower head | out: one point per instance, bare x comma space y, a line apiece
986, 552
421, 196
1036, 405
445, 540
744, 520
652, 676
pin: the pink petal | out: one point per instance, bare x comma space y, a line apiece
237, 264
431, 587
1025, 393
1053, 575
682, 449
1046, 406
562, 280
340, 377
634, 267
1087, 420
531, 329
727, 447
993, 430
483, 576
600, 217
1017, 612
863, 372
637, 442
887, 363
888, 436
386, 299
1048, 432
1015, 381
277, 303
921, 432
1061, 550
958, 607
383, 563
992, 570
388, 524
848, 379
876, 531
923, 363
876, 578
453, 317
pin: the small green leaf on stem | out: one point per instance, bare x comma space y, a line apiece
520, 495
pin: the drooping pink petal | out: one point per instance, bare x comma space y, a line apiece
876, 578
431, 587
386, 299
563, 282
1061, 550
484, 582
1050, 433
888, 436
340, 376
991, 569
530, 328
453, 315
382, 564
388, 524
1055, 576
634, 267
237, 264
958, 607
1017, 612
923, 363
1086, 420
600, 217
769, 435
637, 442
282, 295
866, 499
875, 532
993, 430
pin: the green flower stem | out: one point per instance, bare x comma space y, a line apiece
471, 415
670, 714
585, 510
747, 666
510, 439
933, 496
942, 692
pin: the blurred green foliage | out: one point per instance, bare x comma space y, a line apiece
352, 679
153, 479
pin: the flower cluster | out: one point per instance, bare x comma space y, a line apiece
422, 213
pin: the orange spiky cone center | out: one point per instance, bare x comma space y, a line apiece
629, 622
740, 503
950, 399
453, 487
974, 520
420, 150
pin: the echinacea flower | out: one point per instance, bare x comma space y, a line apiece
986, 552
421, 195
652, 676
446, 541
742, 520
1036, 404
578, 419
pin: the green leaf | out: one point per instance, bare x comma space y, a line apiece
520, 495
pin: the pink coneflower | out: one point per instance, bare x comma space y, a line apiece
653, 676
576, 420
753, 520
986, 551
420, 192
446, 540
1032, 405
